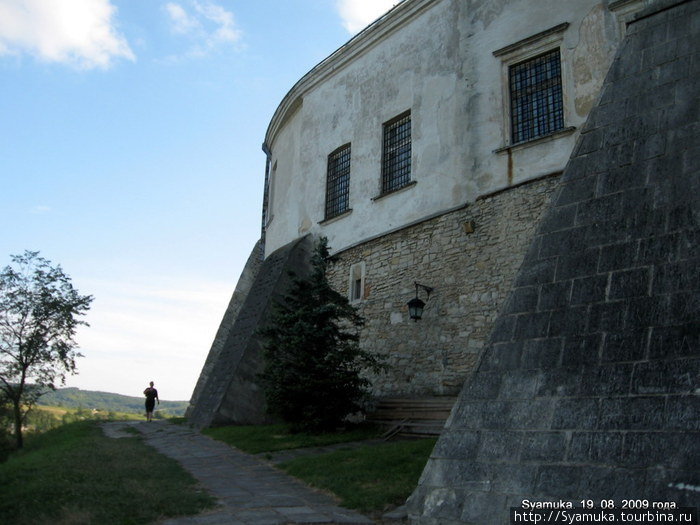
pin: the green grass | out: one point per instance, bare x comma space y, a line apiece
74, 474
272, 438
369, 478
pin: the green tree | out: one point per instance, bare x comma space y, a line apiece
313, 362
39, 315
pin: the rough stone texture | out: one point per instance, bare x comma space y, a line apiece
589, 385
470, 273
243, 287
229, 392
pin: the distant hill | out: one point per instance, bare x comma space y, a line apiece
76, 398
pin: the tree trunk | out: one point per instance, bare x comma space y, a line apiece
18, 423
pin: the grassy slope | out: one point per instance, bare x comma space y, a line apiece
74, 474
369, 478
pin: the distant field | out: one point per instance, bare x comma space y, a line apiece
107, 402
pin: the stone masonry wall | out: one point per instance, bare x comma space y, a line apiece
470, 274
589, 387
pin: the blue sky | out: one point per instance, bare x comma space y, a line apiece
130, 153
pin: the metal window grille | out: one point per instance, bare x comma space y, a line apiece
396, 158
338, 182
536, 104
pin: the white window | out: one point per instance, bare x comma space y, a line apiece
356, 284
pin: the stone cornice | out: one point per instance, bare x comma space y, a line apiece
361, 43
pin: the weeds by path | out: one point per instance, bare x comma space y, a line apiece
74, 474
371, 478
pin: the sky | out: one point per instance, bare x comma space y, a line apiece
130, 154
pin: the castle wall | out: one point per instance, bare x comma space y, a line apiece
447, 62
470, 273
588, 388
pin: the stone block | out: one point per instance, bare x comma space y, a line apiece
513, 479
674, 341
462, 445
606, 380
618, 179
658, 250
629, 283
561, 242
533, 414
560, 480
558, 218
595, 447
624, 346
502, 356
580, 263
484, 508
643, 312
684, 307
559, 382
575, 191
607, 231
554, 295
543, 446
604, 208
523, 299
503, 329
519, 384
674, 450
568, 321
576, 414
606, 483
538, 272
499, 446
589, 289
680, 376
485, 385
532, 325
542, 353
683, 412
631, 413
677, 276
582, 349
617, 256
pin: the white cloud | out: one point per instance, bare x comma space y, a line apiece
40, 209
76, 32
358, 14
181, 22
208, 24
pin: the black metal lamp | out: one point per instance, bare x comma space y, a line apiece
415, 305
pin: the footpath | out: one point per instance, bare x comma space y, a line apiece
250, 491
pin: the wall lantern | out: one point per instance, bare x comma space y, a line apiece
415, 305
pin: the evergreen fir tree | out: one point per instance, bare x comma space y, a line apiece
313, 362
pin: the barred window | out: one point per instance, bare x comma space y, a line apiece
536, 105
396, 153
338, 182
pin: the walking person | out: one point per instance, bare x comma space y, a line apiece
151, 398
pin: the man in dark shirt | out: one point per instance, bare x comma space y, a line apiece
151, 398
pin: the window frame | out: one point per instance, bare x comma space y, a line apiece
521, 52
357, 273
333, 181
536, 97
396, 174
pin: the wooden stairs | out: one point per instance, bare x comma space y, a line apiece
424, 416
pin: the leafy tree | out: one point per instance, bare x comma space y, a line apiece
39, 315
313, 362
